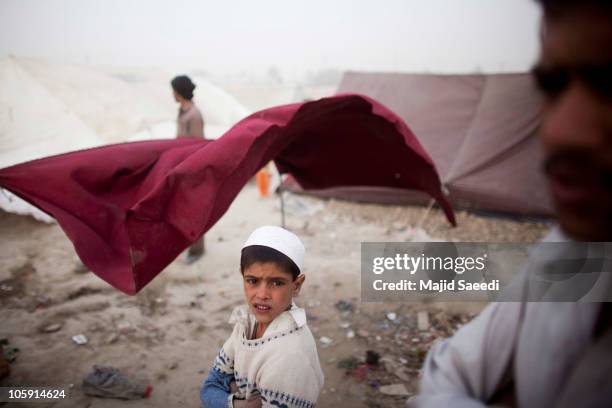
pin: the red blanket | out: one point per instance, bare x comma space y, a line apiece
130, 209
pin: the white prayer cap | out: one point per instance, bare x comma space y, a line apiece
278, 238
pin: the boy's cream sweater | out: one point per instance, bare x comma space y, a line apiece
282, 366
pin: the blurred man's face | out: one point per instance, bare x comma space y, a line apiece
575, 73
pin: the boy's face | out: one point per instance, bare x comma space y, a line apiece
268, 290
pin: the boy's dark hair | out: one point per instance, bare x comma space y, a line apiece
259, 253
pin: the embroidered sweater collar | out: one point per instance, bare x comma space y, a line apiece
294, 317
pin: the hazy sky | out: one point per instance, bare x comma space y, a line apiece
295, 36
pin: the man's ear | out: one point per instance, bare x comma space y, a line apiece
297, 284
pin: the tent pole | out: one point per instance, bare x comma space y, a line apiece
426, 214
282, 205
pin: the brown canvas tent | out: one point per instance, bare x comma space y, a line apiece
480, 130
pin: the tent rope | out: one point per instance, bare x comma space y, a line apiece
281, 191
426, 214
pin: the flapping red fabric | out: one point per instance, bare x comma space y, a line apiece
132, 208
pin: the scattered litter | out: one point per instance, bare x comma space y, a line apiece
82, 291
313, 303
348, 363
5, 368
373, 383
361, 372
79, 339
416, 340
344, 305
345, 325
39, 302
423, 321
418, 355
51, 328
399, 225
173, 366
6, 287
350, 334
396, 367
394, 389
96, 326
372, 358
125, 327
329, 219
388, 363
403, 374
383, 324
200, 293
109, 382
10, 353
158, 335
391, 316
42, 301
112, 338
363, 333
403, 360
325, 341
378, 338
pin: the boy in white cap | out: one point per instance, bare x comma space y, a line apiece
271, 359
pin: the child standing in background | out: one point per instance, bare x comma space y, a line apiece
189, 123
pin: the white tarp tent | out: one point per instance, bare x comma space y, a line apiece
34, 124
48, 109
118, 104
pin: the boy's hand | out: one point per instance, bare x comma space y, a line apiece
233, 387
253, 402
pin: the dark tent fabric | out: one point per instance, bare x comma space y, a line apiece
480, 131
130, 209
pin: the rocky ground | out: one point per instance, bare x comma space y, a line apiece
168, 335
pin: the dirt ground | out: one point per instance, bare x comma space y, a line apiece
169, 333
